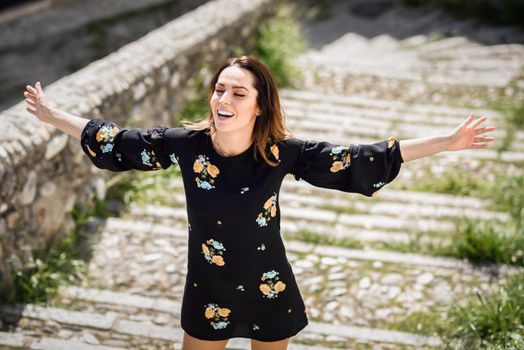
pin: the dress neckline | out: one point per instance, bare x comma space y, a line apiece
218, 155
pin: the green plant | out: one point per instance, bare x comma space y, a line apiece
509, 197
151, 187
487, 241
323, 239
491, 320
455, 182
278, 42
59, 263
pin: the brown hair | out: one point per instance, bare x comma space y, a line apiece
270, 125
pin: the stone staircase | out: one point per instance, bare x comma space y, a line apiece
357, 297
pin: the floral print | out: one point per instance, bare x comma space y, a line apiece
275, 152
213, 252
148, 158
272, 284
378, 184
391, 141
174, 158
206, 171
105, 137
341, 158
217, 315
270, 211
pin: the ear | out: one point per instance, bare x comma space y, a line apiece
259, 112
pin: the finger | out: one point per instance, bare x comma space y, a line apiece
469, 119
479, 121
484, 139
484, 130
30, 110
30, 97
31, 89
31, 103
39, 88
475, 146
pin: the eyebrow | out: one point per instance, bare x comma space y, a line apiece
235, 86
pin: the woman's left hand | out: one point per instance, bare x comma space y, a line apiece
468, 136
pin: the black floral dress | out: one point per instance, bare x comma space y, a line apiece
239, 282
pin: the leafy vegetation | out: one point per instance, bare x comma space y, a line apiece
63, 262
491, 321
278, 42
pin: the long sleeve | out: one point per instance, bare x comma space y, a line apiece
113, 148
360, 168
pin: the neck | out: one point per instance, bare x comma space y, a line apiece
230, 144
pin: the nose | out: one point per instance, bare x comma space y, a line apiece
224, 98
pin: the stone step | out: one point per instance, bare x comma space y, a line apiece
117, 226
346, 211
346, 277
291, 186
429, 74
361, 118
75, 319
327, 217
370, 288
319, 127
16, 341
366, 122
364, 104
385, 56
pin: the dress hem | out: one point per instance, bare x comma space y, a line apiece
293, 333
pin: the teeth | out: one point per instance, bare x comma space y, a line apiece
229, 114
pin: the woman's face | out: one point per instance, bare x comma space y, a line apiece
234, 101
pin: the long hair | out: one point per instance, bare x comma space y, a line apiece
270, 124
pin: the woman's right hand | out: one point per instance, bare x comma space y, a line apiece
37, 103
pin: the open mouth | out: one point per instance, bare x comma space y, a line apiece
224, 114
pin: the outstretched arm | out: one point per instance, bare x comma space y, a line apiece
465, 136
37, 106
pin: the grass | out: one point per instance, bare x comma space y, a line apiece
487, 242
323, 239
63, 262
458, 183
489, 321
278, 42
152, 187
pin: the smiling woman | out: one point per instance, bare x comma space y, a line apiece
239, 282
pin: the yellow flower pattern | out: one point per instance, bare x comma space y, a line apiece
213, 252
217, 315
341, 158
391, 141
272, 285
275, 152
270, 211
207, 172
105, 138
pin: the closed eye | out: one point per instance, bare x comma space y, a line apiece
221, 91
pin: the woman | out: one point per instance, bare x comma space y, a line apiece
239, 282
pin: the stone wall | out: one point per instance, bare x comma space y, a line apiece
43, 172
